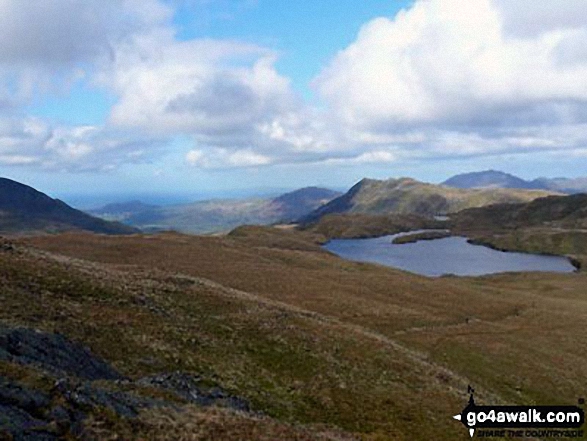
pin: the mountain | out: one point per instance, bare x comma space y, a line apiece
408, 196
488, 179
25, 210
220, 214
498, 179
298, 203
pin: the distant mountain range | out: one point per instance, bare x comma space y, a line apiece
218, 215
26, 210
498, 179
408, 196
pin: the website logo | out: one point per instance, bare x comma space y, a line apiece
522, 421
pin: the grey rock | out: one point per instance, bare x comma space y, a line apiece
54, 353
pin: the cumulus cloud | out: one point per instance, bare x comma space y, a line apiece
219, 158
451, 62
442, 79
45, 45
212, 89
34, 142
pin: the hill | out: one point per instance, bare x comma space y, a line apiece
498, 179
408, 196
319, 347
221, 214
553, 211
488, 179
26, 210
354, 226
553, 225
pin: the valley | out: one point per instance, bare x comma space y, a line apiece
309, 339
261, 333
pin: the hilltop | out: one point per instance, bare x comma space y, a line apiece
26, 210
498, 179
220, 214
488, 179
408, 196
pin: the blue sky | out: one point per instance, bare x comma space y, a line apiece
307, 34
201, 98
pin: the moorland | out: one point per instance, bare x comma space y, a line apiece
262, 334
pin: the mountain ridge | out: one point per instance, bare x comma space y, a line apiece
409, 196
499, 179
24, 209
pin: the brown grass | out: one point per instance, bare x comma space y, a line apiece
307, 337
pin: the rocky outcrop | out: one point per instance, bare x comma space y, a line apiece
53, 353
28, 412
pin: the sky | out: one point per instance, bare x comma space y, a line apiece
205, 98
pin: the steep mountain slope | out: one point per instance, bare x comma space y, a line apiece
488, 179
298, 203
24, 209
221, 214
408, 196
498, 179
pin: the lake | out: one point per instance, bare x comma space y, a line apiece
451, 255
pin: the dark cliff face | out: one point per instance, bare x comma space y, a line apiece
24, 209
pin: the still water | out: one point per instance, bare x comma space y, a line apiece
451, 255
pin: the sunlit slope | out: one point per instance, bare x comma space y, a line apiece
517, 337
308, 372
408, 196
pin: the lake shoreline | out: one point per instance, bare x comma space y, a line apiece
480, 242
444, 254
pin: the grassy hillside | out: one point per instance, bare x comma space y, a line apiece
347, 226
554, 225
307, 338
407, 196
25, 210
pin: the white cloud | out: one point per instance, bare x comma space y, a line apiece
44, 43
219, 158
450, 62
443, 79
62, 32
34, 142
215, 90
